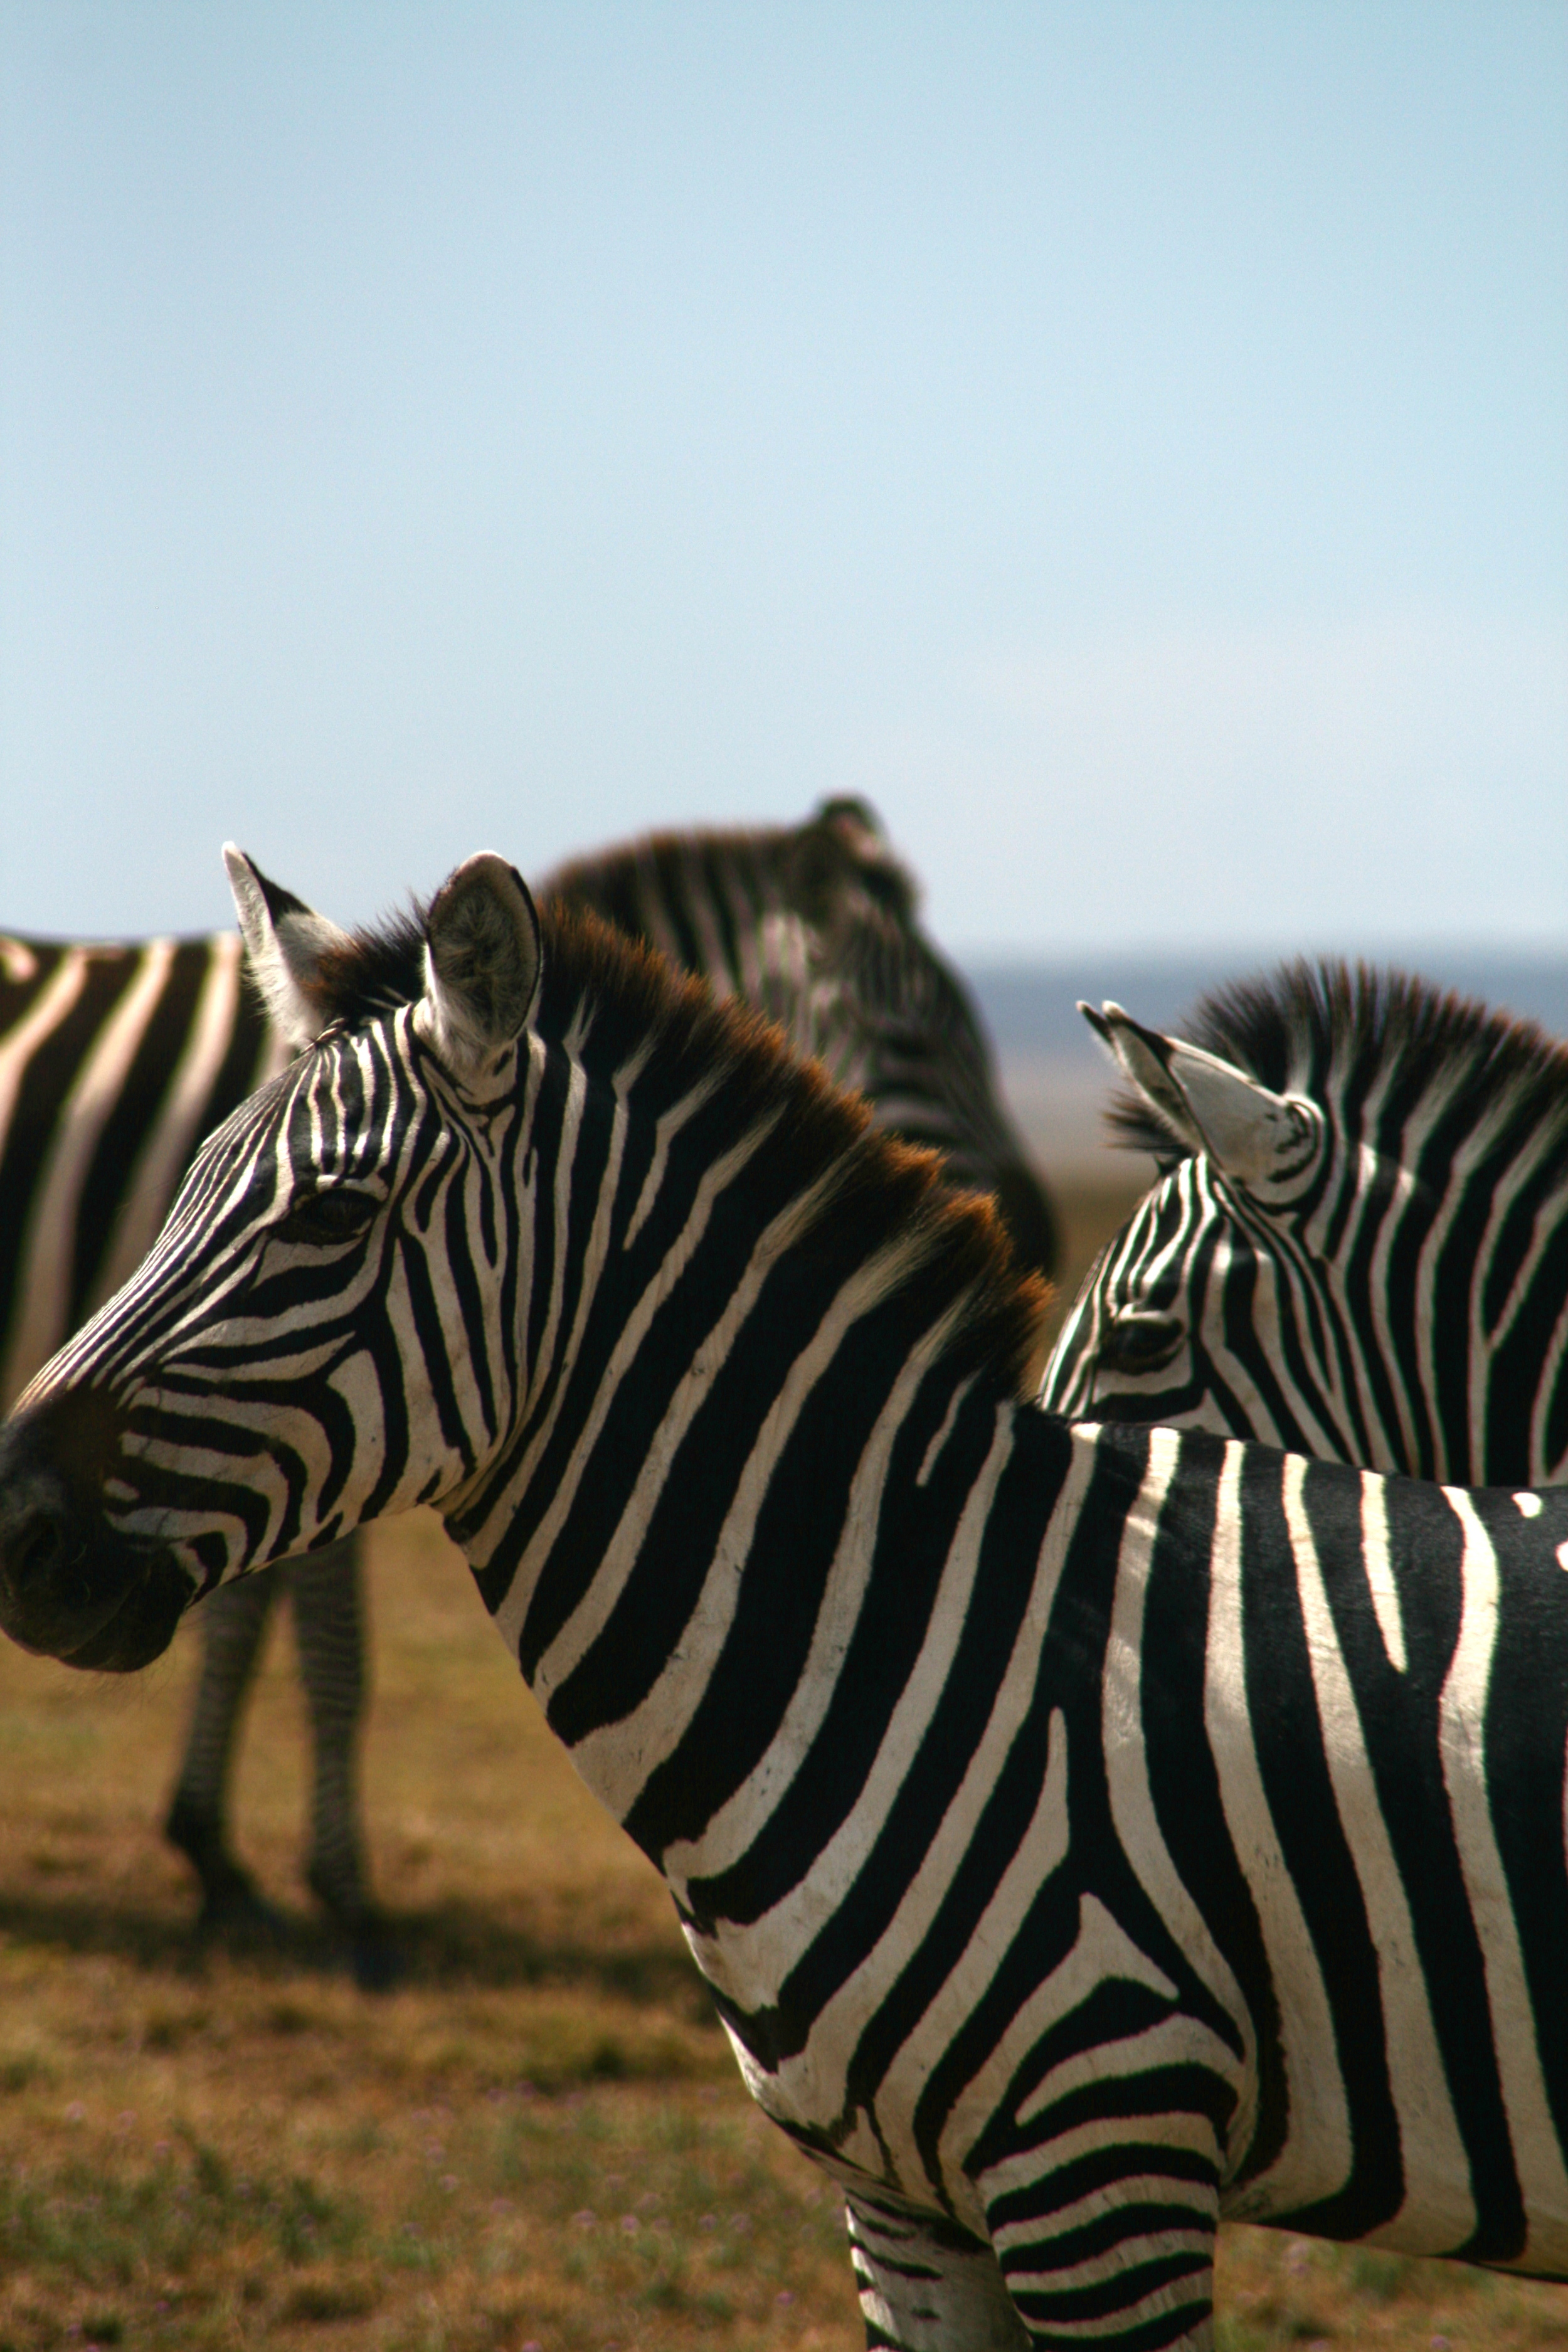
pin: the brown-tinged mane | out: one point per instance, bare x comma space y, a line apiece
1329, 1031
636, 998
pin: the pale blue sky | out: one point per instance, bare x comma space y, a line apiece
1128, 441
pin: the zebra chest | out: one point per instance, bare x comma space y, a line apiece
846, 2001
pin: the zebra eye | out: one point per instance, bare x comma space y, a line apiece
1141, 1341
337, 1214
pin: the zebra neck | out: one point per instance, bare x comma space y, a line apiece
730, 1519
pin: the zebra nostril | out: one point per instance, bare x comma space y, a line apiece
39, 1550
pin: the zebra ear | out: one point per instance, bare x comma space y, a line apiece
482, 965
286, 941
840, 858
1251, 1133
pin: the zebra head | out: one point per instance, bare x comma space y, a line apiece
1243, 1165
1359, 1248
244, 1396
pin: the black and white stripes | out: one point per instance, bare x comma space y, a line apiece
817, 926
1087, 1832
114, 1063
1361, 1248
116, 1060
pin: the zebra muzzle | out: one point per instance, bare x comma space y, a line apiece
71, 1586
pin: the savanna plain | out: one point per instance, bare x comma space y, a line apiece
536, 2140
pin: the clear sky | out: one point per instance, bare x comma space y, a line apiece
1129, 441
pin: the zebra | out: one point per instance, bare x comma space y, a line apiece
939, 1715
116, 1061
1358, 1247
817, 926
816, 923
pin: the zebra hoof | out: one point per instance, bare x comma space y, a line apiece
242, 1917
375, 1957
232, 1903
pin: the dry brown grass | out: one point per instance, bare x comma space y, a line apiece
538, 2138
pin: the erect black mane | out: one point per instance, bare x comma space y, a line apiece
1326, 1029
636, 998
380, 968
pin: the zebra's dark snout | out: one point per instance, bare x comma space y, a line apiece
71, 1586
37, 1550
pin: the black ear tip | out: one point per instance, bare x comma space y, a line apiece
279, 902
244, 871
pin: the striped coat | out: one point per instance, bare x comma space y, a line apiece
1087, 1832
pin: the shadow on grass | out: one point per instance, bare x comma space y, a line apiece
451, 1946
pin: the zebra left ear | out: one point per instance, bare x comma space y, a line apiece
1254, 1134
286, 941
481, 965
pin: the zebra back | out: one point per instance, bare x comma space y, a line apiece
816, 925
115, 1062
1359, 1247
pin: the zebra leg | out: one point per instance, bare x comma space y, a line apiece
1112, 2249
925, 2286
329, 1632
232, 1620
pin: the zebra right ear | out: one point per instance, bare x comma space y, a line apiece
1250, 1132
482, 965
286, 941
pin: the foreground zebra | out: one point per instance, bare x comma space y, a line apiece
115, 1062
1361, 1250
938, 1715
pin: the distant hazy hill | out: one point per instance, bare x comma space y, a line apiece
1030, 1007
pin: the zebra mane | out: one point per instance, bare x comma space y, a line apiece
373, 970
1328, 1030
620, 996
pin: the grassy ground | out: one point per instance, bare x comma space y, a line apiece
538, 2139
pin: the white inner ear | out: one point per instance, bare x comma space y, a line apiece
1149, 1074
481, 971
482, 1070
439, 1018
1252, 1133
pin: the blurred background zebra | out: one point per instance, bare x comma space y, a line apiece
116, 1061
1359, 1247
817, 925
